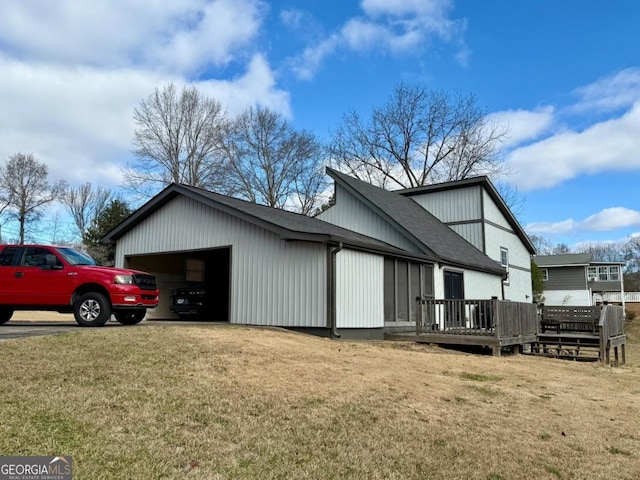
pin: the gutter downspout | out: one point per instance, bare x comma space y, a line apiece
331, 290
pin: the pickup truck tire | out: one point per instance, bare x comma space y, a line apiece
130, 317
5, 315
91, 310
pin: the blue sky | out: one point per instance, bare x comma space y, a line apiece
563, 76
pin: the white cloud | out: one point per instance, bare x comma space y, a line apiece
523, 125
256, 87
187, 35
78, 120
72, 73
611, 219
293, 18
610, 145
392, 26
620, 90
606, 220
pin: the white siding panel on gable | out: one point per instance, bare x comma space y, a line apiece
359, 290
492, 213
519, 286
351, 213
459, 205
273, 282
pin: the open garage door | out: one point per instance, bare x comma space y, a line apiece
209, 269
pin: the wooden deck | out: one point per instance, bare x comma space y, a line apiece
580, 333
489, 323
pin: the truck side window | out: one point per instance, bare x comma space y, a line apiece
7, 256
39, 257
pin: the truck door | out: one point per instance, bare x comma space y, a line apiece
9, 257
42, 278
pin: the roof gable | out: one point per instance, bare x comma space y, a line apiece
488, 186
416, 222
288, 225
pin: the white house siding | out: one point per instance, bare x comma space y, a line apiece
359, 290
567, 297
273, 282
492, 213
518, 287
458, 205
477, 285
351, 213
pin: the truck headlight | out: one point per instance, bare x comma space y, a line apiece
123, 279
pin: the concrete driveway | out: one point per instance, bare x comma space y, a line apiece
30, 324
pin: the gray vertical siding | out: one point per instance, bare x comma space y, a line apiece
359, 290
459, 205
472, 233
273, 282
351, 213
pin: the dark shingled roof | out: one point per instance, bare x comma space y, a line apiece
563, 260
288, 225
434, 236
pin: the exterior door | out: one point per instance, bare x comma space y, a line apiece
453, 290
453, 285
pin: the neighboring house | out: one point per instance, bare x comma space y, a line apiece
575, 279
353, 271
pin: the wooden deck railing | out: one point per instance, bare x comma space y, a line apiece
612, 333
477, 317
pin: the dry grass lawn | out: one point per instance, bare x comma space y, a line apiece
239, 403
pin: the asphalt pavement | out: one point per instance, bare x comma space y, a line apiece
22, 329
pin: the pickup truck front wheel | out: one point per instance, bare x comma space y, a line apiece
5, 315
130, 317
91, 310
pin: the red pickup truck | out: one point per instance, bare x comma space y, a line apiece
41, 277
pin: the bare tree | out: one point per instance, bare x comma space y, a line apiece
177, 139
25, 179
272, 163
632, 253
604, 251
416, 138
85, 204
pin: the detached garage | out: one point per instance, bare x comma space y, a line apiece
262, 266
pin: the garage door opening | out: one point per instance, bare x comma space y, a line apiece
207, 270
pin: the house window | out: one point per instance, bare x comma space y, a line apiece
603, 274
545, 274
504, 261
614, 273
